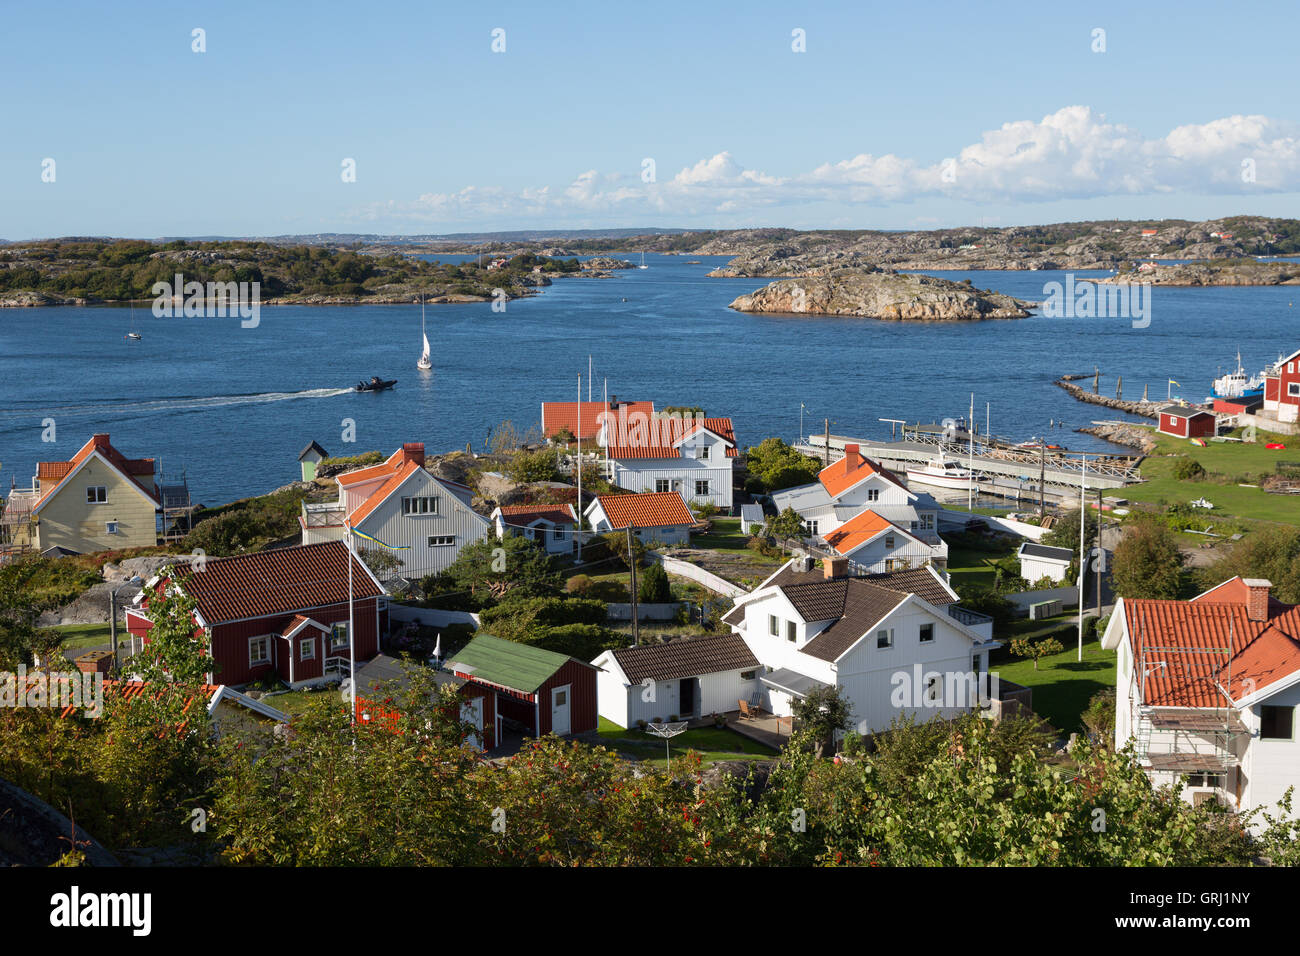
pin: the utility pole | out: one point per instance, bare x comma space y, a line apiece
1101, 552
631, 566
1042, 477
827, 451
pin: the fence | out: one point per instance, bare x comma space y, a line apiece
644, 612
697, 574
430, 616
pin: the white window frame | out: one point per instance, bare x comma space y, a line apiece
110, 527
1293, 388
419, 506
265, 641
890, 542
306, 643
791, 632
663, 485
773, 625
810, 527
338, 640
873, 494
705, 483
441, 541
96, 494
927, 521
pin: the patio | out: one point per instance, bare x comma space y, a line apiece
766, 728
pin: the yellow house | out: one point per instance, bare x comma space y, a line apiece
99, 500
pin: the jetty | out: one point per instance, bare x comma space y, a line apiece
1143, 409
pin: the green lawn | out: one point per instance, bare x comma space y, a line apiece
974, 566
711, 743
81, 636
297, 701
725, 537
1063, 685
1229, 464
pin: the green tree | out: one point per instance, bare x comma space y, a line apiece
1037, 650
1272, 552
532, 466
779, 466
492, 568
177, 648
652, 586
819, 714
382, 562
785, 526
1147, 562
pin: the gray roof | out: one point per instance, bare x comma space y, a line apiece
792, 681
689, 657
751, 513
801, 497
1034, 550
384, 668
319, 450
1183, 411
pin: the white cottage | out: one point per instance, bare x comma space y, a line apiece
554, 527
658, 517
691, 455
847, 488
893, 644
399, 504
679, 680
1038, 561
872, 544
1206, 691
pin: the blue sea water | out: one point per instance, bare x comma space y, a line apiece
233, 406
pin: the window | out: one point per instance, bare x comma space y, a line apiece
338, 636
259, 651
773, 625
889, 542
1275, 723
895, 564
557, 534
927, 521
442, 540
873, 494
420, 505
96, 494
1293, 388
810, 527
932, 689
790, 631
885, 638
701, 488
663, 484
1219, 780
307, 649
927, 633
748, 675
110, 527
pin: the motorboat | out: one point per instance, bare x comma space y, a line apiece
376, 384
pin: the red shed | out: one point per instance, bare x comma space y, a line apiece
273, 612
1186, 422
1282, 388
545, 691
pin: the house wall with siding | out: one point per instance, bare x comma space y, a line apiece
454, 518
1273, 765
874, 557
583, 710
640, 474
67, 520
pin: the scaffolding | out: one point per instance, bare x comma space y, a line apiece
17, 524
1185, 732
177, 510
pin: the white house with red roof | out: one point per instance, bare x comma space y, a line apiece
692, 455
847, 490
1207, 690
401, 505
656, 516
553, 527
873, 544
95, 501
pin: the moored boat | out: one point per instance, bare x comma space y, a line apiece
942, 473
1237, 384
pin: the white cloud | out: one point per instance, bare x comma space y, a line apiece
1074, 153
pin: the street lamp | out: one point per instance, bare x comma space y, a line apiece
133, 582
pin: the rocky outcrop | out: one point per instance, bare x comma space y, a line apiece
605, 263
1220, 272
882, 295
1145, 409
789, 261
1119, 433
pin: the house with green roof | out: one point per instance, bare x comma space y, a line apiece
541, 691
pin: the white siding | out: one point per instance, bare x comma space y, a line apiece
454, 519
642, 474
624, 704
1031, 569
874, 557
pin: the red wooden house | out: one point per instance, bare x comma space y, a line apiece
273, 613
546, 692
1186, 422
1282, 388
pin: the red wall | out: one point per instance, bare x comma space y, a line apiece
1172, 425
1287, 378
1198, 426
583, 714
230, 643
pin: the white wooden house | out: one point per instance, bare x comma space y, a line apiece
893, 644
1207, 690
691, 455
847, 488
658, 517
402, 505
874, 544
1038, 561
677, 680
553, 527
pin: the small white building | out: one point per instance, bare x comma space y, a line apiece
554, 527
1207, 692
873, 544
682, 679
894, 644
847, 488
694, 456
1038, 561
658, 517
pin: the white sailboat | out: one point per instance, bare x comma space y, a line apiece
425, 362
133, 335
643, 265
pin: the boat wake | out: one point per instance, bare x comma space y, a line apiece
192, 403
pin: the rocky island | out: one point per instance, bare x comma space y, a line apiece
882, 295
1216, 272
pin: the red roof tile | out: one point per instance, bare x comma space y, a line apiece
134, 469
380, 494
657, 436
651, 509
520, 516
560, 415
838, 477
857, 531
282, 581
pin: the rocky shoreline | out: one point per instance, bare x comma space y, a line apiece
1143, 409
1237, 272
889, 296
1120, 433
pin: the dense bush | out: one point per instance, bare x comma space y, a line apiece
1188, 469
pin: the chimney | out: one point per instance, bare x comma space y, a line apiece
851, 452
834, 568
613, 401
1257, 598
101, 441
413, 451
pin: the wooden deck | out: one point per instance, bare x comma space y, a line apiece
767, 729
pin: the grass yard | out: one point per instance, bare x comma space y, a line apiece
972, 566
296, 701
711, 743
1063, 685
82, 636
1228, 465
725, 537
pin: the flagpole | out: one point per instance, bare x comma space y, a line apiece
1083, 523
580, 462
352, 658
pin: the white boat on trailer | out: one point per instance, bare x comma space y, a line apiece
943, 473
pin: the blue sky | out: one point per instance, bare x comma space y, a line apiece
896, 116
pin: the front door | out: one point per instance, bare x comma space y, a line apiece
471, 712
560, 710
687, 692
